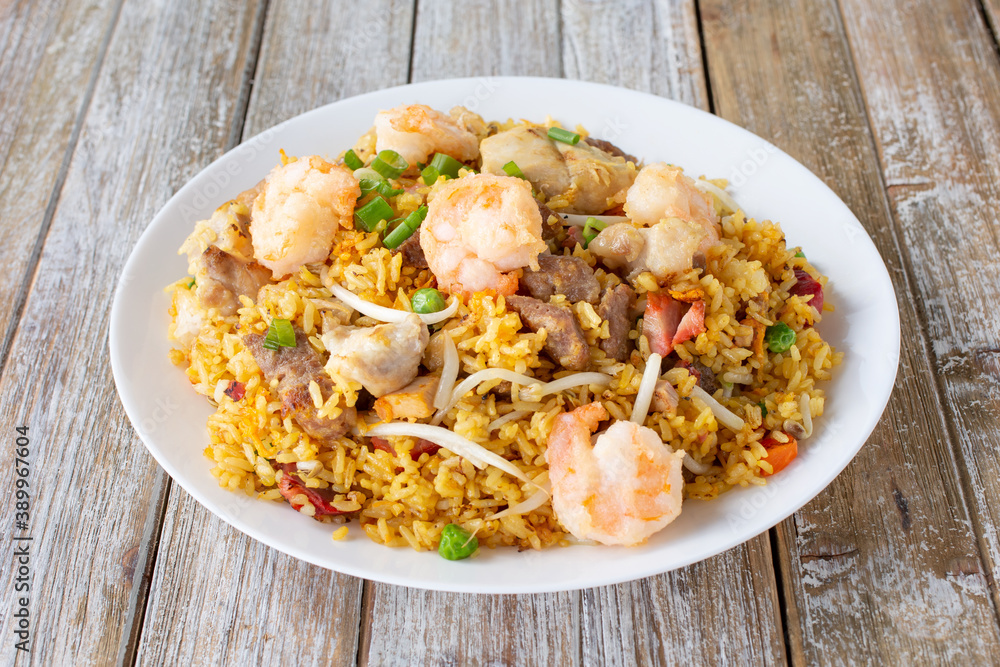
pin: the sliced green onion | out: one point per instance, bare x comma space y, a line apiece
430, 174
352, 160
190, 283
380, 186
446, 165
800, 254
427, 300
763, 409
565, 136
369, 215
390, 164
511, 169
414, 219
591, 229
457, 543
779, 337
279, 334
405, 228
394, 238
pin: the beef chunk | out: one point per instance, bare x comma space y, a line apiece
228, 278
560, 274
413, 254
615, 305
565, 341
294, 368
705, 376
551, 223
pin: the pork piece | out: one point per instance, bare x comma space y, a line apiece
415, 400
535, 155
294, 368
598, 178
615, 305
610, 149
659, 323
585, 178
382, 358
665, 249
413, 254
664, 397
226, 278
293, 491
561, 274
420, 447
565, 341
705, 376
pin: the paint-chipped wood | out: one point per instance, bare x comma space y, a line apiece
218, 596
405, 626
882, 567
655, 47
93, 484
649, 46
484, 37
49, 51
933, 102
721, 611
413, 627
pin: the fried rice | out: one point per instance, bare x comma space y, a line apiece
405, 494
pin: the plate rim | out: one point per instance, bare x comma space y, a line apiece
117, 319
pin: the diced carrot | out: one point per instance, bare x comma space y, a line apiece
759, 331
780, 454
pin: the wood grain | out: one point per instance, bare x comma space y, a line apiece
933, 105
49, 52
92, 482
449, 41
219, 597
484, 37
883, 567
654, 46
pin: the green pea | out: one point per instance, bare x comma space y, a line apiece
800, 254
457, 543
779, 337
427, 300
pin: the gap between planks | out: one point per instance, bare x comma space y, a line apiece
21, 297
909, 271
150, 540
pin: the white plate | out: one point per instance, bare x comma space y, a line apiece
170, 417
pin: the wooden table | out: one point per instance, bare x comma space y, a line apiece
109, 107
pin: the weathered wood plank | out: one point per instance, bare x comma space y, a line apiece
407, 626
238, 601
49, 51
92, 482
932, 103
883, 567
679, 617
483, 37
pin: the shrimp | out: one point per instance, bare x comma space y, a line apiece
622, 489
479, 227
663, 191
416, 132
296, 215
